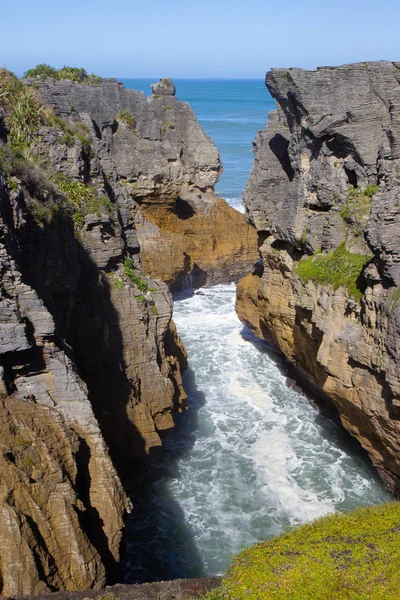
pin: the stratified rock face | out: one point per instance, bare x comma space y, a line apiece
161, 167
62, 504
90, 360
326, 180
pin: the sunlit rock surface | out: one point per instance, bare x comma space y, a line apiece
326, 177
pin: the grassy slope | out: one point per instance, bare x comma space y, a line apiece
340, 268
338, 557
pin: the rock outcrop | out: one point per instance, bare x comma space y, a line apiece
324, 196
90, 360
178, 589
62, 503
157, 161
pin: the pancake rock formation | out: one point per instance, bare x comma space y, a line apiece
153, 153
90, 360
324, 195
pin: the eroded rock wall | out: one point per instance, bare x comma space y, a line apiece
325, 184
117, 194
157, 161
62, 503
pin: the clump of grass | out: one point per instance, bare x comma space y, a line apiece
394, 298
154, 310
345, 557
42, 71
118, 283
126, 117
24, 114
68, 139
356, 209
34, 181
77, 74
339, 268
129, 271
82, 198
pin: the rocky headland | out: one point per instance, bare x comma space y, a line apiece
324, 195
104, 192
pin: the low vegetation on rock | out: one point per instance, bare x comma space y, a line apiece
129, 271
24, 114
348, 557
82, 198
126, 117
356, 209
339, 268
77, 74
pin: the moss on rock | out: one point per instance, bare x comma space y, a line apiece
339, 268
341, 556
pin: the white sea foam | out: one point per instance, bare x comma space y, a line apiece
236, 203
260, 459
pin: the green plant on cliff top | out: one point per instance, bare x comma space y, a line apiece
24, 114
77, 74
42, 71
339, 268
341, 557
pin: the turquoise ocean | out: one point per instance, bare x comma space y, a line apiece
251, 458
231, 111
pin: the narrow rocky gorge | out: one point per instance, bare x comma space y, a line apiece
116, 196
324, 195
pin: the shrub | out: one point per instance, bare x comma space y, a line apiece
73, 74
23, 112
42, 71
77, 74
341, 557
339, 268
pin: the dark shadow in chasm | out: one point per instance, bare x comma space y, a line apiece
158, 542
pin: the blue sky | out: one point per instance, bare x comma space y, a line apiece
201, 38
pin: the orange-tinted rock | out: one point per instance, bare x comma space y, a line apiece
193, 241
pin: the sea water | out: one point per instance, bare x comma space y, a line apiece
251, 457
231, 112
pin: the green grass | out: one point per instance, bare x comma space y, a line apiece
76, 74
357, 207
339, 268
340, 557
394, 298
129, 271
82, 198
126, 117
24, 115
118, 283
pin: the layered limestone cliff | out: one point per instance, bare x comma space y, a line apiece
156, 160
90, 361
324, 194
62, 503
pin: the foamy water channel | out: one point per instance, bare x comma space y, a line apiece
250, 459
